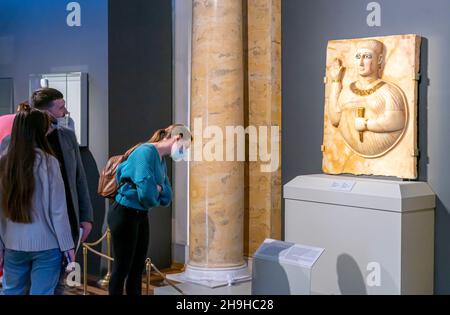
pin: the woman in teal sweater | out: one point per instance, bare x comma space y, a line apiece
143, 185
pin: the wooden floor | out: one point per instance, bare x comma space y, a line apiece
94, 289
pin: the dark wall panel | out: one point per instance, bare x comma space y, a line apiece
140, 90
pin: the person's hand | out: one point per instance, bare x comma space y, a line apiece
87, 228
159, 188
361, 124
71, 254
337, 70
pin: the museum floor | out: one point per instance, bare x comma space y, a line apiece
155, 282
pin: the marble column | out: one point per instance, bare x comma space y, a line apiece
216, 187
264, 91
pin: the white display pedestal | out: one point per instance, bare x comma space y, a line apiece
378, 235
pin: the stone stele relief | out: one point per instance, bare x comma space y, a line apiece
370, 125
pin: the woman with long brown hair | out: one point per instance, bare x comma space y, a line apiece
143, 184
34, 225
6, 121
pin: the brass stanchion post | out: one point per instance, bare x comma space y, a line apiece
85, 251
148, 270
105, 281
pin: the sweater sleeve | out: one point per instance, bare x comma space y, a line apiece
58, 208
2, 244
165, 195
2, 247
142, 176
147, 192
4, 145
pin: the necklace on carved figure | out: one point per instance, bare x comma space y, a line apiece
367, 92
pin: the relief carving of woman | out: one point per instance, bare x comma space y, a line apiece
370, 113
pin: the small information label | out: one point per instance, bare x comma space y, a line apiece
302, 255
342, 185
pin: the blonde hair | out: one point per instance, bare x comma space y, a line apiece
165, 133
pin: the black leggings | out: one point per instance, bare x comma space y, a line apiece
130, 236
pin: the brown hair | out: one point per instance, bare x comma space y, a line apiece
166, 133
16, 166
42, 98
23, 106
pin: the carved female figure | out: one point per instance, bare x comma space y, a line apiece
371, 113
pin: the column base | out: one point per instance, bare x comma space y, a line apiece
213, 277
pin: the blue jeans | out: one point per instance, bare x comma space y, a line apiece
36, 273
